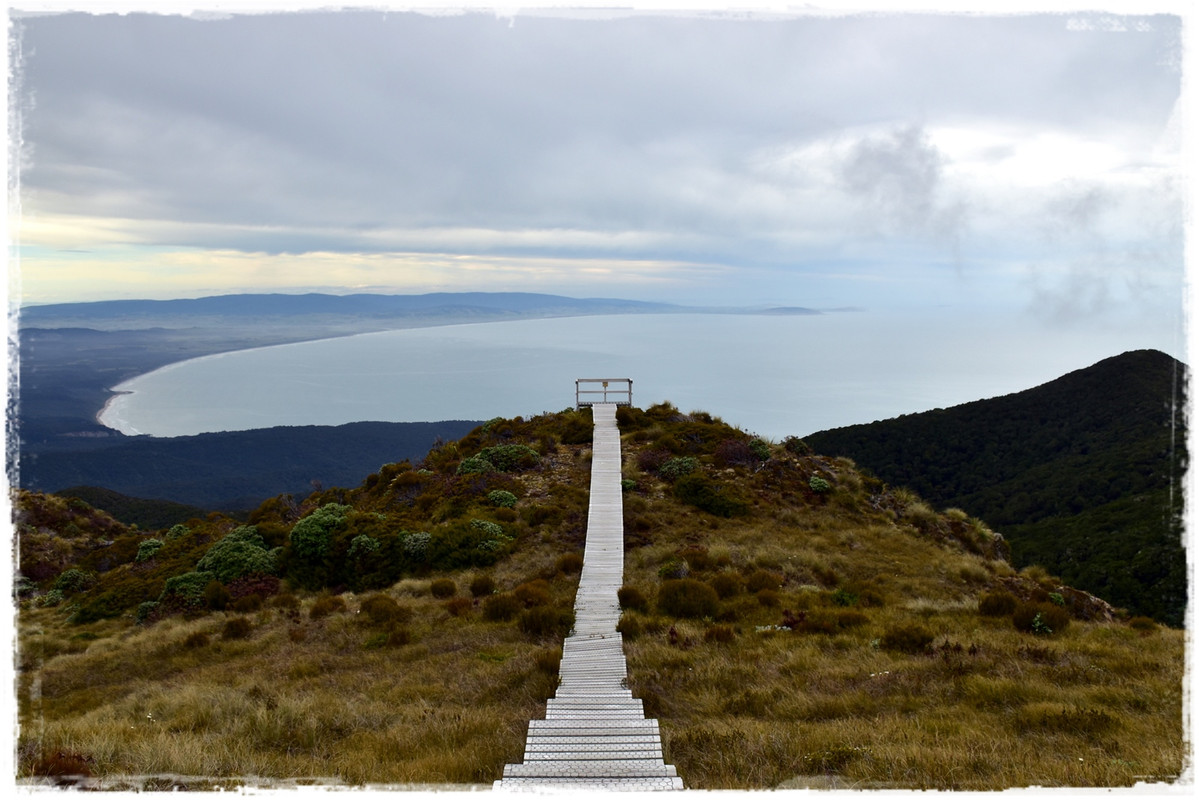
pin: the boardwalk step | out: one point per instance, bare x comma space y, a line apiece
595, 734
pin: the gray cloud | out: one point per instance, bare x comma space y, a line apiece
357, 131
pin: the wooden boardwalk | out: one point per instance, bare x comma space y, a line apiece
595, 734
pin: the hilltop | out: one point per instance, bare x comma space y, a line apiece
1083, 475
790, 621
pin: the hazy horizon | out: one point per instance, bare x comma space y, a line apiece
1024, 162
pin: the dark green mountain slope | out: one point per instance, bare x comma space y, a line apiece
1082, 474
235, 470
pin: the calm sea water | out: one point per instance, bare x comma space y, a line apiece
773, 376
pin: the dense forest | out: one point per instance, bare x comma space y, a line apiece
234, 470
1083, 475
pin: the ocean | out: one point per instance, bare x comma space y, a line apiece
774, 376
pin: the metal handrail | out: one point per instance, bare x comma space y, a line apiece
620, 394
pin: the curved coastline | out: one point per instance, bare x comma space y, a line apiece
109, 414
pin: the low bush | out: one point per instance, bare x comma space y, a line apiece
677, 467
629, 628
1143, 624
631, 599
688, 598
442, 588
768, 598
726, 584
147, 549
196, 640
819, 485
569, 563
1043, 619
719, 633
909, 638
216, 596
459, 606
542, 621
763, 579
383, 610
325, 605
501, 607
237, 628
697, 489
996, 604
501, 498
482, 585
548, 660
532, 593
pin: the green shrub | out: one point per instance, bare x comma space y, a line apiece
688, 598
311, 536
237, 628
362, 545
482, 585
185, 592
416, 545
546, 621
501, 607
240, 553
819, 485
906, 638
147, 549
1143, 624
697, 489
631, 599
844, 597
145, 611
501, 458
677, 467
177, 531
74, 580
51, 598
796, 446
441, 588
501, 498
997, 604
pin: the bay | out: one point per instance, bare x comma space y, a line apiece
774, 376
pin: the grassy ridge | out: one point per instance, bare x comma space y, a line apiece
789, 621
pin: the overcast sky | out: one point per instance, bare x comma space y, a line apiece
1026, 161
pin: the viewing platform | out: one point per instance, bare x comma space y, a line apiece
595, 734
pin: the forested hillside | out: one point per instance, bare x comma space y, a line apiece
234, 470
1083, 475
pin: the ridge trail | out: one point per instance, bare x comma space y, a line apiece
595, 734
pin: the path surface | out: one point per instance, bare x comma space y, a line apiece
595, 734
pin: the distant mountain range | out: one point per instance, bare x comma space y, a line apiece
1083, 474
